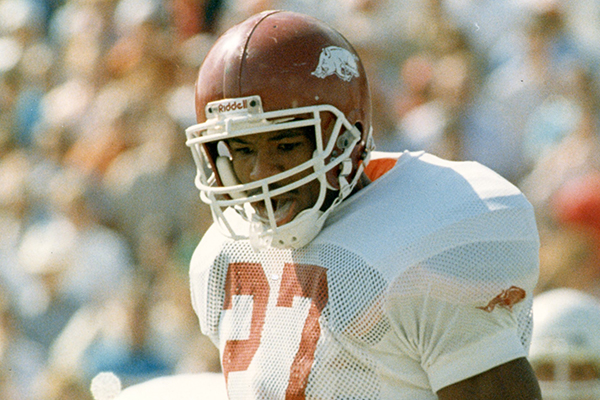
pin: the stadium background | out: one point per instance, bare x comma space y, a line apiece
98, 211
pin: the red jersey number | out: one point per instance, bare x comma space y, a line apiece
298, 280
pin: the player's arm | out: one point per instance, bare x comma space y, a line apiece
514, 380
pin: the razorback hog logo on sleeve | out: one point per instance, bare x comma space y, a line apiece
506, 299
338, 61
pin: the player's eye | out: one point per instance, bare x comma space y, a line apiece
289, 146
241, 150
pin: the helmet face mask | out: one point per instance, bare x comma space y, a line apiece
334, 110
220, 188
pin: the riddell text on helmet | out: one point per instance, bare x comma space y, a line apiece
230, 105
233, 106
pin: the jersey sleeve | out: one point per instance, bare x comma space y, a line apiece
467, 309
207, 277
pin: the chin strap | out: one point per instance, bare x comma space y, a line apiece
345, 186
259, 238
369, 148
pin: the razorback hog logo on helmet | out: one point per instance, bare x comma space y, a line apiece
506, 299
338, 61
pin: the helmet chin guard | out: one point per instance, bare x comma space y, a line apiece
295, 234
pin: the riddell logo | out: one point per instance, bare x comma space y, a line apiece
250, 105
232, 106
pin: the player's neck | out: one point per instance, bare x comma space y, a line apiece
362, 182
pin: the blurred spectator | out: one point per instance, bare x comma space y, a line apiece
491, 26
562, 187
101, 258
438, 84
46, 254
21, 358
145, 330
132, 356
567, 143
15, 215
570, 254
150, 179
511, 94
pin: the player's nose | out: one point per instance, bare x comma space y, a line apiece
265, 165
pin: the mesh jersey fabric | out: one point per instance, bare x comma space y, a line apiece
422, 279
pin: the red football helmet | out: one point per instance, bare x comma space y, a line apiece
280, 70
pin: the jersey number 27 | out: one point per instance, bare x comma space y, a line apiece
297, 280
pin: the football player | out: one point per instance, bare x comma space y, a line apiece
565, 344
332, 272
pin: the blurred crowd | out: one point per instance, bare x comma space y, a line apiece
99, 215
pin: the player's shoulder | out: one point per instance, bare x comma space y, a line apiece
436, 174
417, 187
425, 182
424, 189
423, 197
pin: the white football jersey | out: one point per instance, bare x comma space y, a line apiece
420, 280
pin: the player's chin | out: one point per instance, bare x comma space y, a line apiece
285, 210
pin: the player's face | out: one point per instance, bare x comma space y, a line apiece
263, 155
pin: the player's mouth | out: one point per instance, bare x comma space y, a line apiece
284, 210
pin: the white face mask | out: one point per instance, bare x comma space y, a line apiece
247, 118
